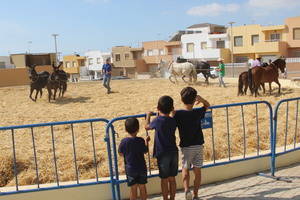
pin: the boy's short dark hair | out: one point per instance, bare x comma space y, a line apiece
165, 104
132, 125
188, 95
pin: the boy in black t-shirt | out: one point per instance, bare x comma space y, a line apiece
191, 138
133, 149
165, 149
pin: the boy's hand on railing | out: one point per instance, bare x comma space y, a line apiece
148, 139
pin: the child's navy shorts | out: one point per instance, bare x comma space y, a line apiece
136, 178
168, 164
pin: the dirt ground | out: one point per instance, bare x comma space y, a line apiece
89, 100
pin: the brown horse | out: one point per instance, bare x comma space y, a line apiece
267, 74
38, 81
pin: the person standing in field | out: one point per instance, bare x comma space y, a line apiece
165, 149
106, 71
221, 70
191, 138
133, 148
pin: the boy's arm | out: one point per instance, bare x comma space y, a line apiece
148, 117
205, 103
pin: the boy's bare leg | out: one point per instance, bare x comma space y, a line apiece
186, 179
172, 185
197, 181
164, 188
133, 192
143, 191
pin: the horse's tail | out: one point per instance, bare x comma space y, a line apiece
240, 85
250, 80
194, 72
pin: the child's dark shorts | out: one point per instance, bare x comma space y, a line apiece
136, 178
168, 164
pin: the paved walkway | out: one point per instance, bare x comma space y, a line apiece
253, 187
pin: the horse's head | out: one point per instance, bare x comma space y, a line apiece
32, 72
281, 64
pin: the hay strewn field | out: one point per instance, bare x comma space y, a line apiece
89, 100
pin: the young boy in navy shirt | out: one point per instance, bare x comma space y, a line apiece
165, 149
191, 138
133, 149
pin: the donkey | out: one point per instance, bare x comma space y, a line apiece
38, 81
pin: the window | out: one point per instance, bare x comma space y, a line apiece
275, 37
74, 64
98, 61
2, 64
203, 45
296, 54
296, 32
254, 39
149, 53
238, 41
190, 47
68, 64
90, 61
241, 59
117, 57
126, 56
221, 44
161, 52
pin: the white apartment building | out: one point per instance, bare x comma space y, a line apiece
94, 62
206, 42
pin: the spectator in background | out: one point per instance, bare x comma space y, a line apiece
221, 70
106, 71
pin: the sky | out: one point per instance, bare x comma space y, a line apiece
27, 25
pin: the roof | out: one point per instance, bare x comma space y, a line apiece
204, 25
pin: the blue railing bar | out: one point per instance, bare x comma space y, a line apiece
15, 159
110, 164
244, 130
74, 153
286, 124
94, 151
54, 188
53, 123
54, 156
296, 124
287, 151
257, 129
228, 135
211, 165
213, 137
116, 162
35, 159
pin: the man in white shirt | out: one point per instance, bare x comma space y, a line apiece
256, 62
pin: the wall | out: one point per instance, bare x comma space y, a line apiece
18, 60
292, 22
18, 76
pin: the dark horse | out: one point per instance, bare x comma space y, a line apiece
57, 81
267, 74
201, 67
243, 83
38, 81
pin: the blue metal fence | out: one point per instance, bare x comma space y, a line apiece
213, 109
32, 127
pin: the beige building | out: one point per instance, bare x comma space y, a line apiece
293, 36
72, 64
42, 59
127, 61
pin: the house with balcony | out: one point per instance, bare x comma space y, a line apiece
293, 36
154, 51
94, 62
40, 59
205, 42
72, 65
127, 61
250, 41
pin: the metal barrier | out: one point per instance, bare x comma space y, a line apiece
89, 124
226, 121
293, 145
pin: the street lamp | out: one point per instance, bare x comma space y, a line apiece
231, 42
55, 43
29, 43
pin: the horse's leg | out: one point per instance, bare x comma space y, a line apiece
279, 85
263, 87
36, 94
206, 78
54, 96
41, 92
49, 94
270, 88
170, 78
30, 95
246, 88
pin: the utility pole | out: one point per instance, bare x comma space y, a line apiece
231, 42
29, 44
55, 43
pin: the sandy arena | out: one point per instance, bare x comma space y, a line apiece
89, 100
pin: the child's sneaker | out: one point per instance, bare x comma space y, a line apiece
188, 195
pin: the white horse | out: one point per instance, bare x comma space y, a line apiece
180, 69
